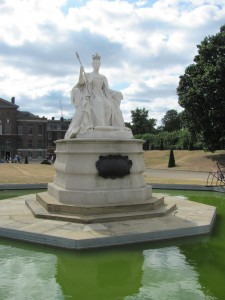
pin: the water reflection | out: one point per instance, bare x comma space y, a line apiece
167, 275
185, 269
128, 274
102, 274
27, 274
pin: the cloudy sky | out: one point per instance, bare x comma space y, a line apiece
144, 46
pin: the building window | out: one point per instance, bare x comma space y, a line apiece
20, 129
30, 129
40, 130
8, 144
39, 154
7, 127
52, 127
30, 144
0, 127
58, 135
49, 135
19, 144
39, 144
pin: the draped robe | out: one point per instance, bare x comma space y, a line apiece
95, 104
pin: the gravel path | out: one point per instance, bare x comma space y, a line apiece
177, 174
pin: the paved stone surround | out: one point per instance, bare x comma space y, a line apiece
189, 219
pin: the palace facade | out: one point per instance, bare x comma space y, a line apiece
27, 135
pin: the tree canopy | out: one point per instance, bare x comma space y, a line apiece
140, 123
201, 92
171, 121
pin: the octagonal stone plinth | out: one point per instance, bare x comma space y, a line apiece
98, 180
78, 181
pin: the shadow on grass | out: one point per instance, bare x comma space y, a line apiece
220, 158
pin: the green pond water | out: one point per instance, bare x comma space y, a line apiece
185, 269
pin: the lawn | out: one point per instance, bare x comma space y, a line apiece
5, 194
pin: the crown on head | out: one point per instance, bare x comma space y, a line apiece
96, 56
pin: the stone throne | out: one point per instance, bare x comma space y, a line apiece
99, 165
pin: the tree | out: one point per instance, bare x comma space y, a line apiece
127, 124
171, 162
171, 121
140, 121
201, 92
161, 147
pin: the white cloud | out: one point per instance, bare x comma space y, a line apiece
23, 19
145, 47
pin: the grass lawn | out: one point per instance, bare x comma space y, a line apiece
197, 160
5, 194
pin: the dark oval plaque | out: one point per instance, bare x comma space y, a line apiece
113, 166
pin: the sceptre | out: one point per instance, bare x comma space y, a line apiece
88, 83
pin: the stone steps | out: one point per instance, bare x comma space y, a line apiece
54, 206
39, 211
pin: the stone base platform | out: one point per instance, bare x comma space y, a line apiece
47, 207
189, 219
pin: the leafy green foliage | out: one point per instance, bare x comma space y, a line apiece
160, 139
161, 147
201, 92
140, 122
179, 140
171, 121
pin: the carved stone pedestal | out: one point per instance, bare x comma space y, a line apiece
98, 180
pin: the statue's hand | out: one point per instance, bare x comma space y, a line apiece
81, 69
81, 77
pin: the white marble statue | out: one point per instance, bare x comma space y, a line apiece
96, 105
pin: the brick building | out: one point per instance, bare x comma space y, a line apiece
25, 134
31, 136
55, 130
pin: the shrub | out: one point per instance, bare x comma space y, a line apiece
171, 162
45, 162
161, 147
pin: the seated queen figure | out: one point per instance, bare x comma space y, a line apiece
96, 105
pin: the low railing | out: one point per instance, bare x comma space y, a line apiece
216, 176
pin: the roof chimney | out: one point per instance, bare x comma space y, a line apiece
13, 100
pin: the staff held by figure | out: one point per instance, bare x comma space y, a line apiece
82, 70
